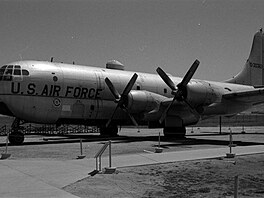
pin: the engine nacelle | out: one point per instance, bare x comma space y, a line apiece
201, 93
143, 101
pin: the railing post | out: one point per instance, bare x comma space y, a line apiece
81, 146
96, 165
110, 154
220, 125
100, 163
236, 187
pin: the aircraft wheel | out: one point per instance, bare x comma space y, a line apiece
111, 131
174, 132
16, 138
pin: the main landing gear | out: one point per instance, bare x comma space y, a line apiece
175, 132
16, 137
110, 131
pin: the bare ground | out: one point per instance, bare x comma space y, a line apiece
202, 178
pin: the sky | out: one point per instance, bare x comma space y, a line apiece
141, 34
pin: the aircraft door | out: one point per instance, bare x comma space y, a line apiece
78, 109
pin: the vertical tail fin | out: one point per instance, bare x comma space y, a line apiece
253, 71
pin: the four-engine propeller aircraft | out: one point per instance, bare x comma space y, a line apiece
57, 93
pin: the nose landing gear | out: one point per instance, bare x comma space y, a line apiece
16, 137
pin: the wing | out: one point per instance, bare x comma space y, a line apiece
177, 109
252, 96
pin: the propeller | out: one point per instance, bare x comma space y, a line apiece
121, 99
179, 91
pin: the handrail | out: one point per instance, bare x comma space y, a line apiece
100, 153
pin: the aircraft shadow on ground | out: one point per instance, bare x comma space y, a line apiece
169, 142
164, 142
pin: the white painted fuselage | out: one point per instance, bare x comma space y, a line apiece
57, 92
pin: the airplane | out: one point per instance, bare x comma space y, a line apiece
49, 92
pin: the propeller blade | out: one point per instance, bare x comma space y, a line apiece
189, 74
112, 88
121, 98
131, 117
166, 78
112, 116
130, 85
180, 93
164, 114
193, 110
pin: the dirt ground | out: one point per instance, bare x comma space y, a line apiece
202, 178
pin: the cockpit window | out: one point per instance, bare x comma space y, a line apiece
25, 72
7, 72
17, 72
2, 70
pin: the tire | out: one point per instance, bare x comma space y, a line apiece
111, 131
174, 132
16, 138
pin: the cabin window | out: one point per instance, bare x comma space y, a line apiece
165, 90
138, 87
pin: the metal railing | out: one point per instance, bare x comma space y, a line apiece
98, 156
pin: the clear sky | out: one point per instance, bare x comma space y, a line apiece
142, 34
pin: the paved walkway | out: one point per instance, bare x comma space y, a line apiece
45, 177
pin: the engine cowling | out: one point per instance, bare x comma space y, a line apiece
201, 93
143, 101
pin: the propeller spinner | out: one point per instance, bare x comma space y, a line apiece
120, 99
179, 91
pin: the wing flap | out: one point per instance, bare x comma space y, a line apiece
251, 96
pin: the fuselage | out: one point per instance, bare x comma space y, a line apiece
48, 92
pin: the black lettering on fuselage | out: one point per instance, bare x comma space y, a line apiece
56, 91
91, 93
68, 90
97, 95
77, 92
51, 90
45, 91
84, 93
31, 88
15, 90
